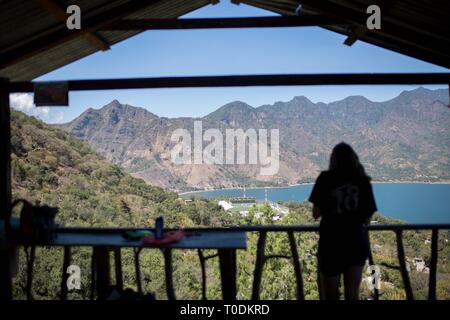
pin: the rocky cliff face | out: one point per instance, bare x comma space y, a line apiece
405, 138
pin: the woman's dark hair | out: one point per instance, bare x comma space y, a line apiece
345, 161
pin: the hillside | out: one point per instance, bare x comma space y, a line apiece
52, 167
405, 138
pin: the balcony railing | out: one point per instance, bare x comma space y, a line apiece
105, 240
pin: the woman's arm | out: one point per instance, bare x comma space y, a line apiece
316, 196
316, 212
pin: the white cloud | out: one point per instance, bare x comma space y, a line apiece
24, 102
58, 118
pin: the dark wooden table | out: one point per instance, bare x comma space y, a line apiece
225, 242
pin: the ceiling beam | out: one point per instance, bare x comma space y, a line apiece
63, 35
406, 50
59, 13
248, 80
211, 23
418, 44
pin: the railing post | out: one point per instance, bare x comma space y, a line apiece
433, 264
30, 255
65, 275
93, 276
376, 293
169, 273
227, 263
403, 270
118, 268
297, 266
137, 269
202, 259
102, 271
259, 264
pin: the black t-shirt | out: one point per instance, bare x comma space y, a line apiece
345, 204
343, 200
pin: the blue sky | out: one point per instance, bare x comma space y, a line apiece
224, 52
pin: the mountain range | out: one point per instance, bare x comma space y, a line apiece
406, 138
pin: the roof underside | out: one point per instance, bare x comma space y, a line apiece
34, 39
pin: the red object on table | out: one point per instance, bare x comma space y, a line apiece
168, 237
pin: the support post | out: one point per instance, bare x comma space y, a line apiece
118, 268
227, 260
102, 271
202, 259
433, 265
65, 275
5, 188
137, 268
259, 264
30, 253
297, 266
169, 273
376, 293
403, 269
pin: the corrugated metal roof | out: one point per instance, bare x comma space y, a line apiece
419, 28
39, 21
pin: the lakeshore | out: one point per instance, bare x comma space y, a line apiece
413, 202
305, 184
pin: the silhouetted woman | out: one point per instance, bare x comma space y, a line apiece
343, 199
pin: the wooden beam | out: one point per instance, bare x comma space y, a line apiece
248, 80
285, 8
58, 12
5, 188
63, 35
418, 42
354, 36
5, 151
211, 23
404, 49
376, 39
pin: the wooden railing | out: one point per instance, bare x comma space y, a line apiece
100, 270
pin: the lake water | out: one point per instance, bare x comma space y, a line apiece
410, 202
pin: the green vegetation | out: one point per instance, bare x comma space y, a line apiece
51, 167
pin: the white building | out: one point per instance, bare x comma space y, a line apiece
420, 265
244, 213
225, 205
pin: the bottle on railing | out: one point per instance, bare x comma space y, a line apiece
159, 228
